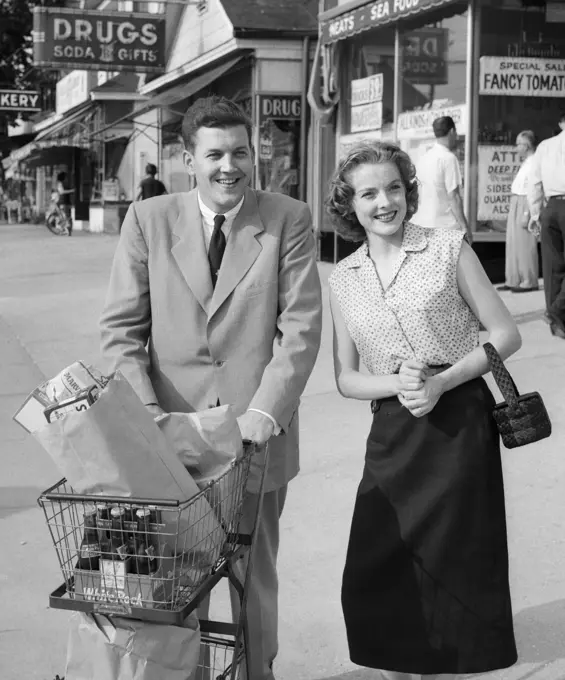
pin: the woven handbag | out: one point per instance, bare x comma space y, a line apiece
521, 419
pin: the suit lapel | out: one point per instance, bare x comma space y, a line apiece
189, 250
242, 249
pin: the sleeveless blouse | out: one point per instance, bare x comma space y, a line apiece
421, 315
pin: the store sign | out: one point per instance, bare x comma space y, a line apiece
113, 41
372, 15
366, 103
522, 76
74, 89
424, 56
418, 124
279, 107
367, 117
367, 90
498, 165
20, 101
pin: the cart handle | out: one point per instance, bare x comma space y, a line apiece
250, 448
48, 496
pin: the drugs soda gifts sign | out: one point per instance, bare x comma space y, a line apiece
98, 40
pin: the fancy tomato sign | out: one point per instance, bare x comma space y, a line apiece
81, 39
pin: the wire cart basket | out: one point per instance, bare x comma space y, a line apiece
156, 560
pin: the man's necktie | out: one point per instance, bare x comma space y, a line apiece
217, 247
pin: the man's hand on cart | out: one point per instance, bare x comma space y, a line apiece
256, 427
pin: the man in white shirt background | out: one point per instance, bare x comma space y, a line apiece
546, 198
439, 175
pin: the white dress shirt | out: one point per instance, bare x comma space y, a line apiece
208, 220
548, 173
207, 229
439, 174
523, 177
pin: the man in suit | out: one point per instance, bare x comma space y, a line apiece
214, 298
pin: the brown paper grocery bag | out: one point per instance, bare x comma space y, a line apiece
115, 648
115, 448
206, 442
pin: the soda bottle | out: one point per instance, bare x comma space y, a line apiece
118, 538
89, 554
150, 547
103, 521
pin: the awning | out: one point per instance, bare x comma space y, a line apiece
187, 89
34, 147
59, 130
357, 16
178, 93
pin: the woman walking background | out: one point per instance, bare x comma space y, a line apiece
425, 587
522, 268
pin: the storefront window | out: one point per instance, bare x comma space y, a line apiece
278, 118
433, 64
521, 85
367, 103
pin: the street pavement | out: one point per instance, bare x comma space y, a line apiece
51, 294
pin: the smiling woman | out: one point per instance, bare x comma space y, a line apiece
377, 168
417, 599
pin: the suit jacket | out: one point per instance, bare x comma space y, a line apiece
250, 342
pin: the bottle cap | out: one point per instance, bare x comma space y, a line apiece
117, 511
89, 510
143, 512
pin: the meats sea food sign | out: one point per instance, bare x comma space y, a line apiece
114, 41
522, 76
498, 165
372, 15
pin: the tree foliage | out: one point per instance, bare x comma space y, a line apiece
16, 51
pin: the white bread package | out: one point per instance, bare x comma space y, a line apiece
115, 448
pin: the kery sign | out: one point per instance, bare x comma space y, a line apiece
113, 41
20, 101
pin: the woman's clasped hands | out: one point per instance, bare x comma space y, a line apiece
417, 391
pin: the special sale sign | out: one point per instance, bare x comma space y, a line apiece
113, 41
522, 76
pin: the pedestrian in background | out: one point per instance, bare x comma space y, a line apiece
439, 175
214, 298
64, 199
546, 196
425, 586
150, 186
522, 268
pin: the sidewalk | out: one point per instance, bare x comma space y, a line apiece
51, 294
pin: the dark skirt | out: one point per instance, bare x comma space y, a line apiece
425, 586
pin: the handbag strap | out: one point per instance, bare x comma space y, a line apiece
503, 379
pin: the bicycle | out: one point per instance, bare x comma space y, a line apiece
56, 220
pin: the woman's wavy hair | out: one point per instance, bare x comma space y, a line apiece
339, 203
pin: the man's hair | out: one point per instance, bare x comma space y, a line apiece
151, 169
213, 112
442, 126
61, 176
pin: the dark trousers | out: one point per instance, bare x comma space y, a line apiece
553, 257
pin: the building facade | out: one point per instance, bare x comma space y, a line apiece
392, 66
108, 125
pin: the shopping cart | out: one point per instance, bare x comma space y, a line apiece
156, 560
